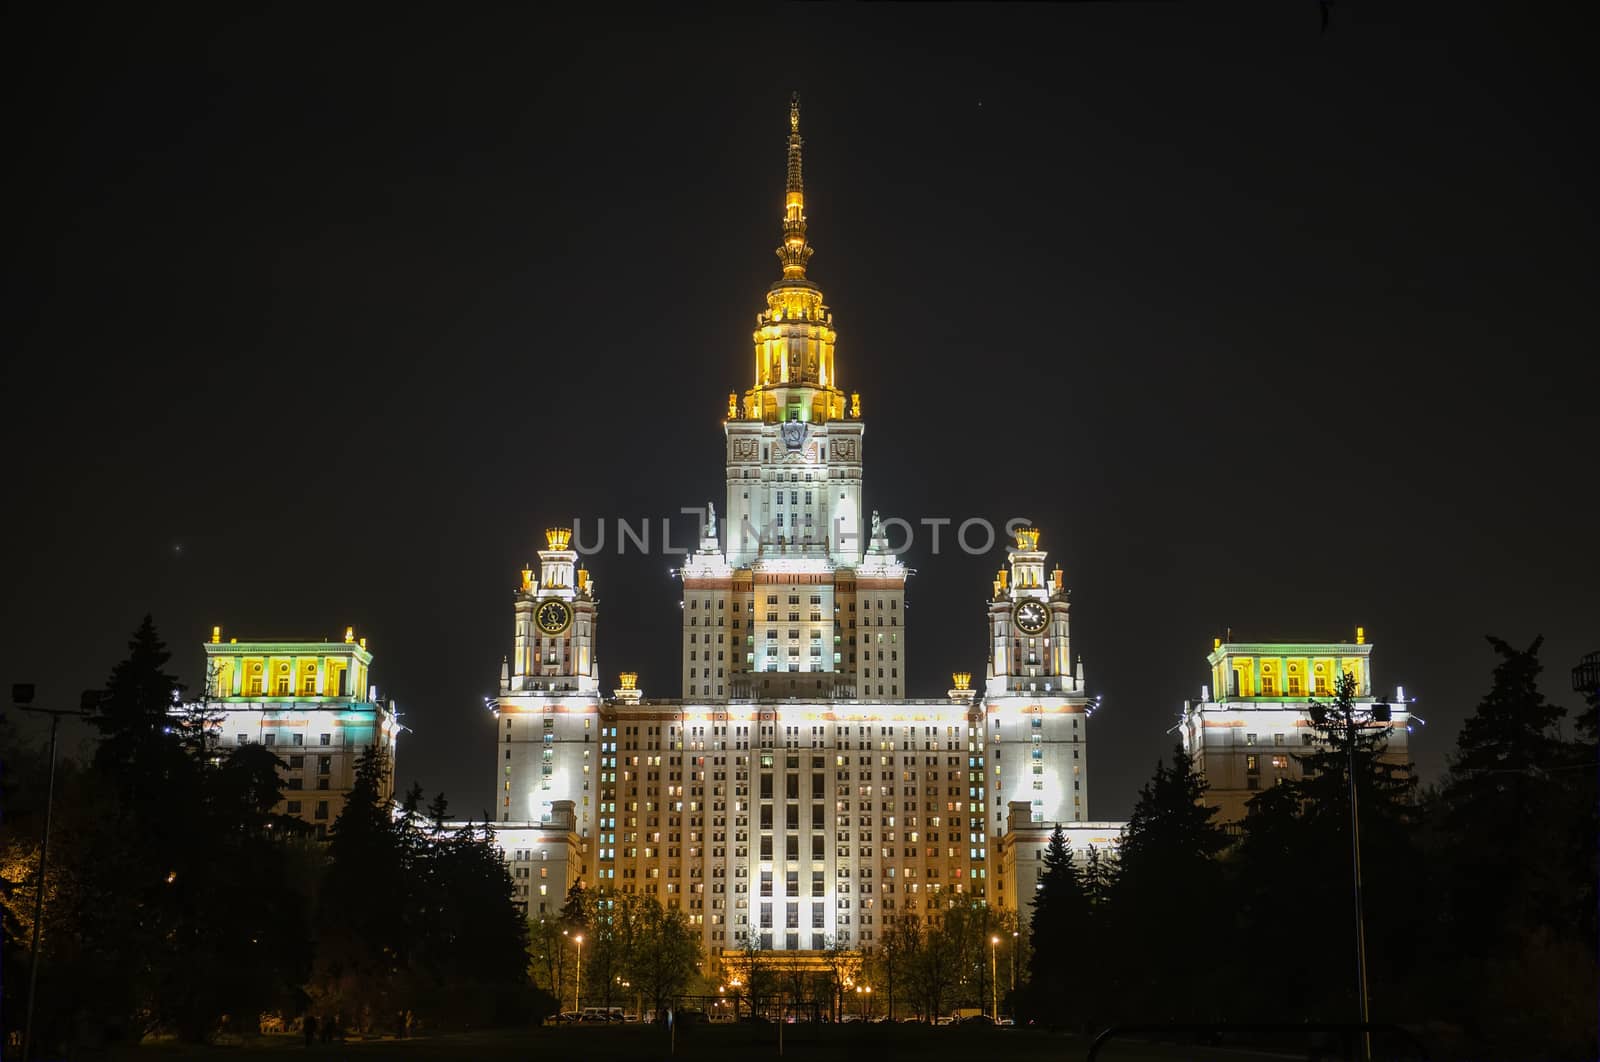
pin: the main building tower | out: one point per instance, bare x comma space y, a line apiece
805, 573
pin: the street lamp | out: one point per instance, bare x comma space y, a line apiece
22, 697
577, 979
1013, 983
1379, 713
994, 984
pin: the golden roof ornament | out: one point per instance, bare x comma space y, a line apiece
795, 252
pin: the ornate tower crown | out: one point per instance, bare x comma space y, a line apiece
557, 537
1027, 538
794, 336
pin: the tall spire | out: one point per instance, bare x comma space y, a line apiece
795, 251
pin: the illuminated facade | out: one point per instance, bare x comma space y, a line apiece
794, 794
1243, 739
309, 702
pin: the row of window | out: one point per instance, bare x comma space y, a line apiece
295, 739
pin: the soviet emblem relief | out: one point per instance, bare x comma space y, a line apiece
793, 434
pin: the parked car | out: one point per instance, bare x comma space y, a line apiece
976, 1019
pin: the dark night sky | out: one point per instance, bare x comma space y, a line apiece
318, 318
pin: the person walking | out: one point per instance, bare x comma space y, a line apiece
309, 1026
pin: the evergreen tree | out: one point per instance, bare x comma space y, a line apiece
1171, 825
575, 908
362, 912
1501, 803
139, 747
1060, 917
1098, 877
1167, 862
1515, 844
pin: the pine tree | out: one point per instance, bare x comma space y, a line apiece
1171, 826
1060, 917
1515, 871
1501, 801
1167, 861
362, 923
138, 744
1099, 875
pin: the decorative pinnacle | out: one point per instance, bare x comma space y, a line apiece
795, 251
796, 184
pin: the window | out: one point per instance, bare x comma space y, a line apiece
293, 807
322, 809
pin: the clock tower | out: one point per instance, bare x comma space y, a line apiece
1034, 695
547, 716
555, 623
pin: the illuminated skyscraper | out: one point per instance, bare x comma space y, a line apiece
793, 795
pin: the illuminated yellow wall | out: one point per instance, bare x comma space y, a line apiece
1288, 670
288, 669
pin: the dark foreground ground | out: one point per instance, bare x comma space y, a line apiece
715, 1043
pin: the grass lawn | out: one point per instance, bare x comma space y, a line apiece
705, 1043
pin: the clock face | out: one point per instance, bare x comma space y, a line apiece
554, 616
1032, 617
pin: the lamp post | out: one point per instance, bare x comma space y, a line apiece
1380, 712
577, 978
1013, 983
994, 982
22, 696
